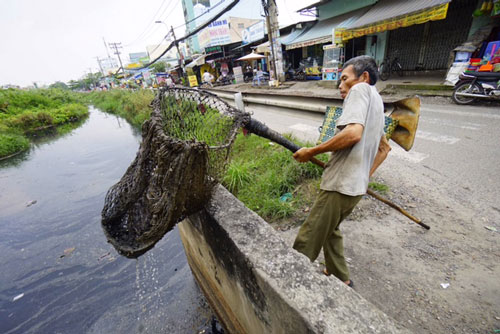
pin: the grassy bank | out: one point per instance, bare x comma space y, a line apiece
265, 177
24, 112
131, 105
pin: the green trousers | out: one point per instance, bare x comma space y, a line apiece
321, 230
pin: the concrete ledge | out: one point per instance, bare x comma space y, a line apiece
258, 284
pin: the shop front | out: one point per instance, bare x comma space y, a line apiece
312, 42
420, 33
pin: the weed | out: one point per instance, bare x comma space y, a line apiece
11, 144
272, 171
238, 175
380, 187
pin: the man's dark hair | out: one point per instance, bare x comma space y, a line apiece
361, 64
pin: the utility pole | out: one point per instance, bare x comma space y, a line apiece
181, 60
106, 46
117, 46
100, 66
271, 12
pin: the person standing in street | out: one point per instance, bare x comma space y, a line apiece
207, 78
358, 147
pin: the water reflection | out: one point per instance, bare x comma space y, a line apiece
53, 251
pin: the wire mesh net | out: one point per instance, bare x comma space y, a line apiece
183, 154
191, 114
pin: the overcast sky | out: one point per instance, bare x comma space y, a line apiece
45, 41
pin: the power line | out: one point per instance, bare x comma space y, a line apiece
204, 25
156, 27
148, 26
195, 18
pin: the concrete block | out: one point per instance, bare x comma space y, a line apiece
257, 284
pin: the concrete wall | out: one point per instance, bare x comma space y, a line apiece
257, 284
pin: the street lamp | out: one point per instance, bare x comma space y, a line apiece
166, 27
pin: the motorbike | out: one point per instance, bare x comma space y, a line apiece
224, 79
298, 74
476, 85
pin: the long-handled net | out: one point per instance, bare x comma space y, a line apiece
183, 154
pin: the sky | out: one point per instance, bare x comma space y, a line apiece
58, 40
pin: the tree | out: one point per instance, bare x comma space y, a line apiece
59, 84
157, 67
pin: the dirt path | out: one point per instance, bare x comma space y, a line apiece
400, 267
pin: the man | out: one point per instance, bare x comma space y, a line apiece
207, 78
357, 149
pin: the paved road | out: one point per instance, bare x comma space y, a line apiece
459, 143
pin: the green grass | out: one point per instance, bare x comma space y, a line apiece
380, 187
131, 105
25, 112
11, 144
260, 172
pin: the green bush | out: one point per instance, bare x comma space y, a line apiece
10, 144
27, 111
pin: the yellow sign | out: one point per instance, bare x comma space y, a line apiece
193, 81
431, 14
337, 35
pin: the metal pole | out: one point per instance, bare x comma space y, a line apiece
181, 62
270, 36
116, 46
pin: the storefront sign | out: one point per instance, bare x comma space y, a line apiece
253, 33
217, 33
238, 74
431, 14
213, 49
337, 35
320, 40
193, 81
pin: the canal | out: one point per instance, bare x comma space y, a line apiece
59, 275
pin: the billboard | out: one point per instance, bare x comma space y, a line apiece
135, 57
253, 33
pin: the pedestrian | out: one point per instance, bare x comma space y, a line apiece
207, 78
358, 147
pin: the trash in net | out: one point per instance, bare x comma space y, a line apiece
183, 155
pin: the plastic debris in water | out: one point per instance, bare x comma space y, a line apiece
18, 297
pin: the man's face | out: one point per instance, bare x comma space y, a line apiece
348, 79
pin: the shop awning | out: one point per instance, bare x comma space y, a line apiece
264, 47
394, 14
197, 61
321, 32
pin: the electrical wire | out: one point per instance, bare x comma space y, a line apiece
194, 19
148, 26
171, 11
194, 32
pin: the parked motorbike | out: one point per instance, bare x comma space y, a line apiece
298, 74
226, 79
471, 86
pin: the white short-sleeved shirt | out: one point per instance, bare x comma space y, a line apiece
207, 77
348, 170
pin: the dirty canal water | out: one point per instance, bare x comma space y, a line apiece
58, 273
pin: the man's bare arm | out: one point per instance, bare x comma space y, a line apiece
383, 151
346, 138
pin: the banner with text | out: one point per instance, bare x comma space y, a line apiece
431, 14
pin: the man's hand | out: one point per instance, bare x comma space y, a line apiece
303, 155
